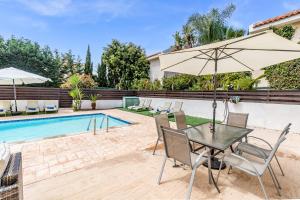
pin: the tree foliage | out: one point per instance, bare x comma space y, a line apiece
81, 80
146, 84
101, 79
212, 27
30, 56
124, 62
88, 66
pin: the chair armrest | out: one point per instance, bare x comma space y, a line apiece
262, 153
260, 139
199, 158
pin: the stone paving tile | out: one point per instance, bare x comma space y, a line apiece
53, 157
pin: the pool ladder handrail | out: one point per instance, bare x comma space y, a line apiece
101, 124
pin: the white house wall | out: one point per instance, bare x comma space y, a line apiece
155, 72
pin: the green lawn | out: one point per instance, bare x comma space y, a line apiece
190, 120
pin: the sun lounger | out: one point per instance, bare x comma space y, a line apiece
142, 102
5, 106
32, 107
176, 108
165, 108
146, 105
50, 106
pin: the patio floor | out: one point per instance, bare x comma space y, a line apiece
119, 165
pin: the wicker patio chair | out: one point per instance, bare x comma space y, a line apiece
160, 121
177, 148
254, 167
246, 147
11, 181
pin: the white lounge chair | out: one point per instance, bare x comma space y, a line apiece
146, 105
32, 106
165, 108
142, 101
4, 107
176, 108
50, 106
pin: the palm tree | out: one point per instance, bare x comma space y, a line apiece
178, 41
211, 27
188, 36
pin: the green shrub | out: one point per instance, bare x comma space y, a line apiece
285, 75
84, 81
146, 84
179, 82
203, 83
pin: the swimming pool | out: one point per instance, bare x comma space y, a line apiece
31, 129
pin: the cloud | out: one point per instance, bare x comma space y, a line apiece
289, 5
47, 7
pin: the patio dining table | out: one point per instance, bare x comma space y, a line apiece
223, 137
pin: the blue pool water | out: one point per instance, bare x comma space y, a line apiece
31, 129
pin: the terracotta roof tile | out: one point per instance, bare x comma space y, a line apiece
274, 19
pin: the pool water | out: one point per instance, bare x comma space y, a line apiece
31, 129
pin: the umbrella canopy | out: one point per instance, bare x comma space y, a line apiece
248, 53
19, 77
13, 76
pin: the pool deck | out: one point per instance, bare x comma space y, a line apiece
119, 165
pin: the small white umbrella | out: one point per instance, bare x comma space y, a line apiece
248, 53
13, 76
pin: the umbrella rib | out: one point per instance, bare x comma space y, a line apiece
182, 61
239, 61
253, 49
204, 65
224, 57
205, 53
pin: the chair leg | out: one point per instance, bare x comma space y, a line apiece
219, 171
279, 165
155, 146
275, 183
262, 187
271, 168
188, 194
162, 170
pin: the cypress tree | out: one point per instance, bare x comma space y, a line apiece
88, 68
102, 79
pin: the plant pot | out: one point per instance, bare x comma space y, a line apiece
93, 106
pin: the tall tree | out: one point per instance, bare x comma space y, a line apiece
101, 79
179, 43
212, 27
124, 62
88, 67
188, 36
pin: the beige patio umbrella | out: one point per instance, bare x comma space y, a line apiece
248, 53
13, 76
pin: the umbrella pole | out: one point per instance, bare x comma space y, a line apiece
215, 90
15, 95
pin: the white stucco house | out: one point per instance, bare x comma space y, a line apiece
290, 18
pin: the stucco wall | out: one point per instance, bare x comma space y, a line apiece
23, 103
102, 104
155, 72
270, 116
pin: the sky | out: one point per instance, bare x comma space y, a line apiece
73, 24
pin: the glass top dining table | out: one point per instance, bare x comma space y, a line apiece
223, 137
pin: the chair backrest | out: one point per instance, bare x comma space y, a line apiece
286, 130
237, 119
275, 148
177, 107
177, 145
32, 104
180, 120
166, 105
147, 103
161, 120
50, 102
142, 101
5, 104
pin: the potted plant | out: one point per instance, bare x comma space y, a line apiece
93, 99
